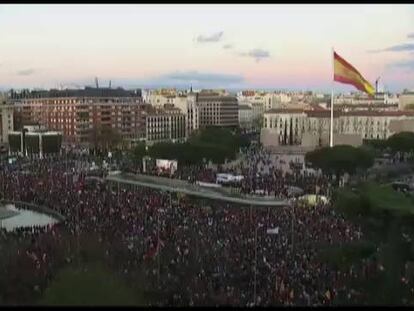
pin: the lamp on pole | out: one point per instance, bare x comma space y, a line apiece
292, 226
255, 266
158, 246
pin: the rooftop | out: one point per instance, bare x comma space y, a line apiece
287, 111
244, 107
86, 92
325, 113
374, 106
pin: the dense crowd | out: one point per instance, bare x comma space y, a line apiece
192, 252
261, 176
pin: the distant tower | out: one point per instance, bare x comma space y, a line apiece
376, 85
191, 88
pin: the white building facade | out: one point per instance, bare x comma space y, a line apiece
165, 126
291, 126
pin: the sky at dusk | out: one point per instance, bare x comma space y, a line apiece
208, 46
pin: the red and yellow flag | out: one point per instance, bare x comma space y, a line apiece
344, 72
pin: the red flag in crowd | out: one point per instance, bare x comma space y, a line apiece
154, 251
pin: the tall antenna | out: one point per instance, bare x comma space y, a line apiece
96, 82
109, 83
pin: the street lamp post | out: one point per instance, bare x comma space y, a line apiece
255, 266
66, 166
292, 227
118, 192
158, 246
77, 234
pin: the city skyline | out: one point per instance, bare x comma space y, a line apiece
208, 46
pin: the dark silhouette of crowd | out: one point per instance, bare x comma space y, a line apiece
193, 252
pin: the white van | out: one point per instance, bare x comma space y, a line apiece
224, 178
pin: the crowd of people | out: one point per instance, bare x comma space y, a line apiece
262, 175
192, 252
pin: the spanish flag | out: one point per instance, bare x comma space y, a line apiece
344, 72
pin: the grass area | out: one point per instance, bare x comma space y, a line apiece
94, 285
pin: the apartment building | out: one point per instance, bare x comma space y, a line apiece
165, 125
75, 113
6, 122
215, 109
207, 108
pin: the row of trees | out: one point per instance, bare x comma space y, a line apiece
104, 138
210, 144
386, 218
342, 159
401, 142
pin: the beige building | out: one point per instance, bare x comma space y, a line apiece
277, 100
252, 108
217, 110
165, 125
204, 108
269, 137
160, 98
266, 100
245, 116
366, 107
406, 100
380, 98
312, 127
188, 106
6, 122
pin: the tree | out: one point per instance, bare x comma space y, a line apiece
215, 144
340, 159
386, 218
401, 142
104, 138
377, 144
139, 151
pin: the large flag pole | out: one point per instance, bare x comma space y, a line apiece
332, 99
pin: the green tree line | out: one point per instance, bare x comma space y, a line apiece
210, 144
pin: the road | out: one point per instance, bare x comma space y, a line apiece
174, 185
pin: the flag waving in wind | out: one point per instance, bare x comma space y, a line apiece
344, 72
